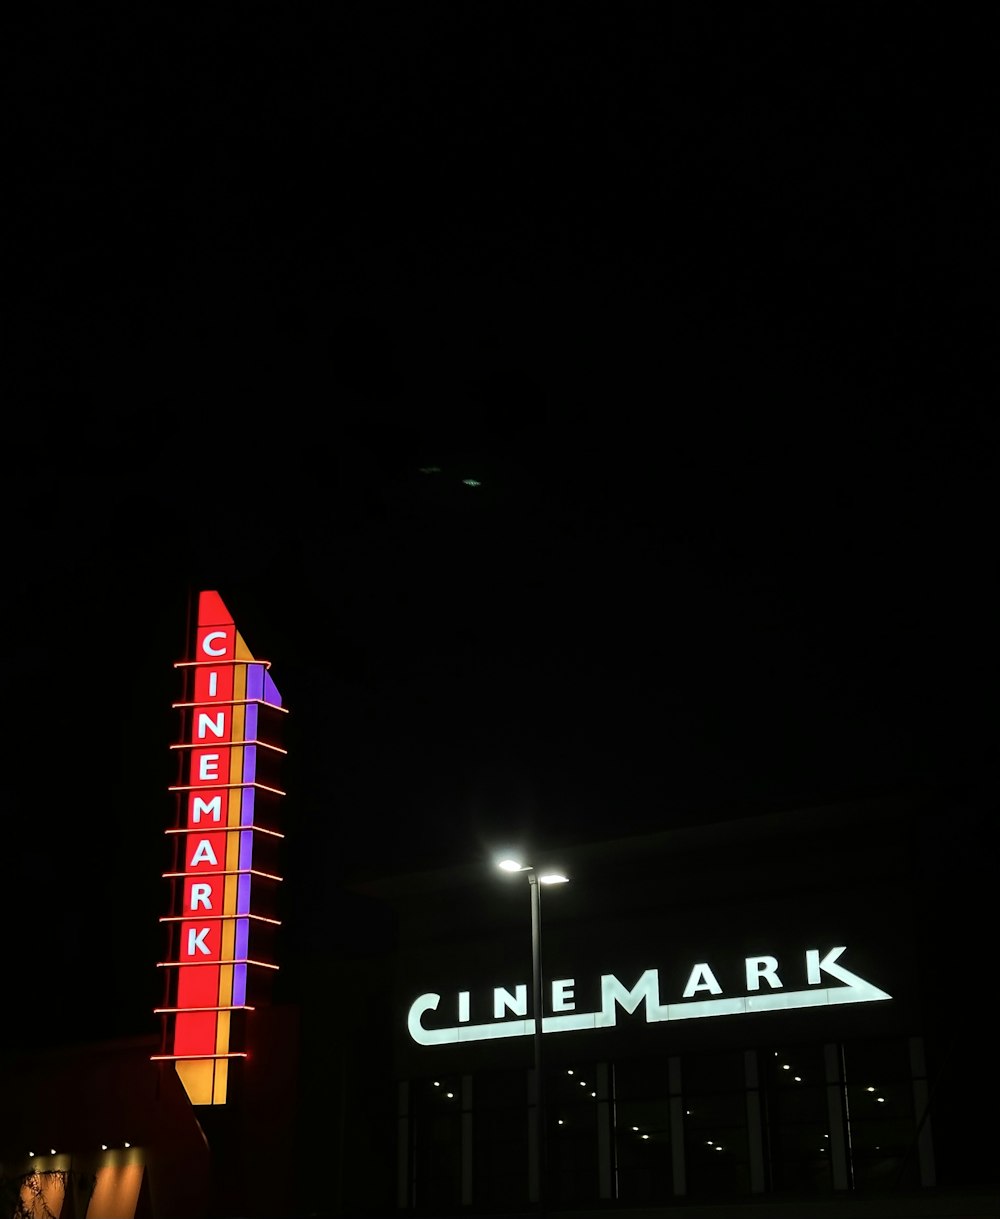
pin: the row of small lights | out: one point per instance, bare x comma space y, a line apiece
52, 1150
798, 1079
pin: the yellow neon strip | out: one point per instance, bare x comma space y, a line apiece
218, 744
205, 918
238, 872
232, 1007
198, 787
223, 829
240, 961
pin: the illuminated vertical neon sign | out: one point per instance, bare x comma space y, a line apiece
222, 911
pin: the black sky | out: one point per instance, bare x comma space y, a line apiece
700, 299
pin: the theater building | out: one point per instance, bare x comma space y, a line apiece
780, 1013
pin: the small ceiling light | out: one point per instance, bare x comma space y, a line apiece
450, 1095
798, 1079
31, 1155
710, 1142
128, 1144
569, 1071
104, 1147
52, 1151
881, 1100
645, 1136
593, 1094
635, 1127
560, 1121
719, 1148
437, 1083
785, 1066
869, 1089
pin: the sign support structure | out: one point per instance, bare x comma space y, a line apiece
222, 913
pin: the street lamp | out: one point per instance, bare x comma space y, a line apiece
535, 881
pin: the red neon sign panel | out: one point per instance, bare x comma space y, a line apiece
219, 891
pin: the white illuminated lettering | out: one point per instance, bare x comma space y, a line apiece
614, 995
201, 895
213, 684
208, 767
562, 995
196, 942
210, 638
203, 853
701, 978
213, 806
504, 1000
207, 724
647, 988
762, 967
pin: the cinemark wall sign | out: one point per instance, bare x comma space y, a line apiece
221, 917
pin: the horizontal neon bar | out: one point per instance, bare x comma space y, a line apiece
215, 744
238, 660
200, 787
230, 872
230, 1007
227, 961
232, 702
195, 1057
224, 829
206, 918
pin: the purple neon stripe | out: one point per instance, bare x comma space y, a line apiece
246, 807
250, 722
249, 763
242, 893
239, 985
242, 936
271, 694
246, 855
255, 681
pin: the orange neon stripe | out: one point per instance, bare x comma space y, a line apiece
207, 918
200, 787
232, 872
224, 829
235, 961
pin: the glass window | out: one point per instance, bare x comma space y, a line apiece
796, 1119
571, 1130
500, 1139
716, 1150
436, 1117
642, 1131
880, 1113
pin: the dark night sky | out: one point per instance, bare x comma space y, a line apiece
702, 303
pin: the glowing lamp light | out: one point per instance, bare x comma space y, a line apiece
511, 865
553, 878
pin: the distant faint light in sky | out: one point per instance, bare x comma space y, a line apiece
471, 482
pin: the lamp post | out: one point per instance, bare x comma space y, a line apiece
535, 882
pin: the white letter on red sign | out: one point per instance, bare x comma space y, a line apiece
196, 941
206, 723
213, 806
201, 895
208, 767
203, 853
207, 642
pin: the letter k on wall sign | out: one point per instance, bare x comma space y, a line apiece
220, 921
